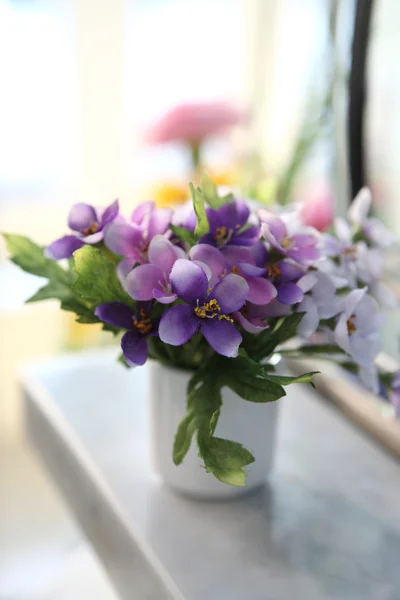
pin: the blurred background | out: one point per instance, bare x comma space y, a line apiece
83, 83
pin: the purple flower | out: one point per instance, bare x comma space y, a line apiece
251, 317
227, 226
88, 225
283, 274
302, 248
132, 240
357, 328
373, 229
206, 309
395, 394
149, 281
321, 301
240, 261
138, 326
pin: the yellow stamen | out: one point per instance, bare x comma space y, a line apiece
212, 306
225, 317
209, 310
286, 242
94, 227
143, 323
273, 270
351, 327
235, 270
350, 252
220, 233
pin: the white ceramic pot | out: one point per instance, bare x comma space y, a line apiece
251, 424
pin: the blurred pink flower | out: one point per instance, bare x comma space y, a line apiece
193, 122
317, 210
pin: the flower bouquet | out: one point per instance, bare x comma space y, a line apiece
213, 290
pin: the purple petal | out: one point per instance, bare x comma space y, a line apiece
271, 239
259, 253
275, 224
230, 293
289, 293
248, 237
110, 213
124, 268
162, 254
178, 325
251, 270
63, 248
261, 291
234, 255
81, 216
250, 325
210, 256
94, 238
164, 297
142, 213
159, 222
134, 348
141, 282
222, 336
123, 239
274, 309
115, 314
290, 271
306, 254
234, 214
189, 281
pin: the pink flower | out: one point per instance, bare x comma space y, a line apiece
193, 122
317, 209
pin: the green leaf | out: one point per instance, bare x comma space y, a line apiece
183, 437
122, 361
184, 234
52, 290
224, 459
283, 380
248, 379
202, 226
97, 282
30, 257
265, 343
84, 314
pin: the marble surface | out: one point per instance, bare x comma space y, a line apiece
327, 526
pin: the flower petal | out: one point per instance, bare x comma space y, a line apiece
261, 291
134, 348
164, 297
250, 325
124, 267
115, 314
189, 281
159, 221
210, 256
230, 293
222, 336
81, 216
289, 293
110, 213
275, 224
94, 238
178, 325
142, 213
310, 321
360, 207
238, 254
141, 282
251, 270
162, 254
290, 271
123, 239
63, 248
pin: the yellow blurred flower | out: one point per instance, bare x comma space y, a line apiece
169, 193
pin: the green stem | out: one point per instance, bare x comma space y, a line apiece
195, 154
